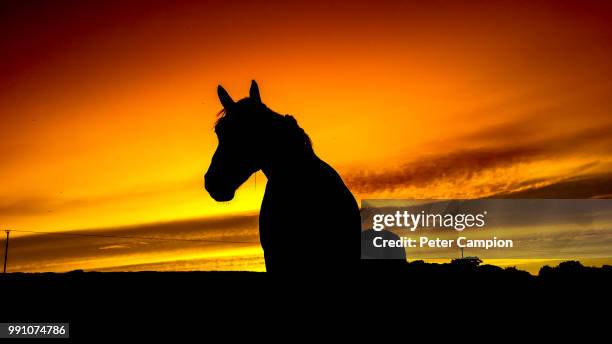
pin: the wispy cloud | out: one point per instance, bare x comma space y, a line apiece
133, 245
461, 164
590, 186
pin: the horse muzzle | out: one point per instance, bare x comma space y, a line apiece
217, 193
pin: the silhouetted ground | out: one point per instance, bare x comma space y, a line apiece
103, 303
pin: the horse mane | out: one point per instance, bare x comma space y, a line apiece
295, 130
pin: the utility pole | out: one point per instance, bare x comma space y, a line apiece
6, 249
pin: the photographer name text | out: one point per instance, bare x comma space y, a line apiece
426, 242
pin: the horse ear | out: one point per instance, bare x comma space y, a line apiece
254, 92
224, 97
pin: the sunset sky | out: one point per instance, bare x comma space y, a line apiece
107, 110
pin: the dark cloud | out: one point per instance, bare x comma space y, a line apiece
463, 164
38, 250
595, 186
422, 172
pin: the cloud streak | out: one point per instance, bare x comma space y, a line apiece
467, 164
592, 186
133, 245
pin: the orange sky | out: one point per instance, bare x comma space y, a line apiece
106, 110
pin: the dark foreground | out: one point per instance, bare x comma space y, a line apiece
103, 303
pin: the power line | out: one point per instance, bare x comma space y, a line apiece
6, 249
138, 237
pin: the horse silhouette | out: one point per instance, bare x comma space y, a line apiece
309, 220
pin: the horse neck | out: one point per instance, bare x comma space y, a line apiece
288, 163
286, 154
